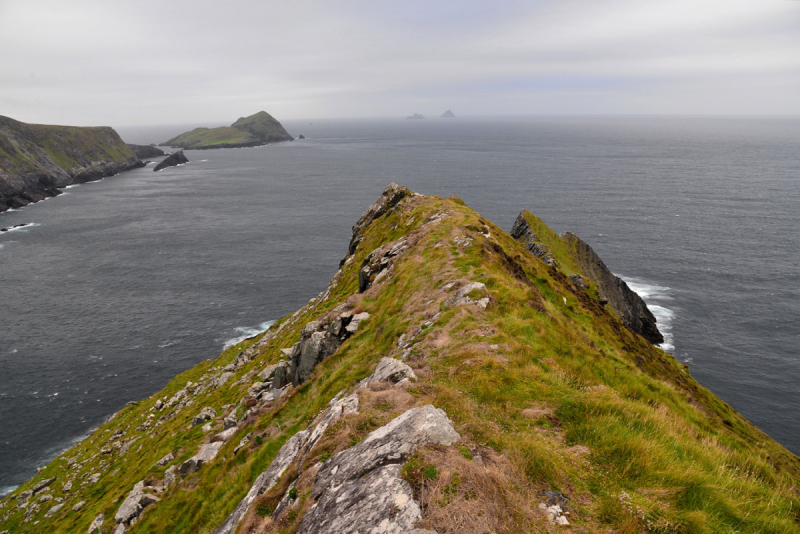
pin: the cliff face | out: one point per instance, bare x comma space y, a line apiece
446, 379
255, 130
579, 261
146, 151
36, 159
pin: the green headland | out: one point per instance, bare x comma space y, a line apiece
255, 130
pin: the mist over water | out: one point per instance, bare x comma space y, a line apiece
129, 281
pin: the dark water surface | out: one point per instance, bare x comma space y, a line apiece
123, 283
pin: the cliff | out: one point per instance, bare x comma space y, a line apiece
255, 130
584, 267
37, 159
446, 379
146, 151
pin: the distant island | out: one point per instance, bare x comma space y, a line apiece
448, 115
416, 116
255, 130
37, 159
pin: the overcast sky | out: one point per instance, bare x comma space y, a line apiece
119, 62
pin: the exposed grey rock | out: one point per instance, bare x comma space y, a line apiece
352, 326
159, 404
229, 422
165, 460
97, 525
314, 346
54, 509
521, 231
134, 503
360, 488
170, 475
280, 376
222, 379
272, 394
45, 497
42, 485
389, 370
225, 435
390, 198
462, 295
173, 160
268, 372
242, 442
378, 261
206, 453
120, 529
302, 441
22, 498
258, 387
206, 414
78, 506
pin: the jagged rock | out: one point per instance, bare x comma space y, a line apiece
302, 441
54, 509
165, 460
462, 296
378, 261
272, 394
134, 503
226, 434
389, 370
352, 326
206, 414
206, 453
258, 387
267, 374
521, 231
361, 487
170, 476
280, 376
78, 506
314, 346
229, 422
174, 159
242, 442
42, 485
301, 136
22, 498
97, 525
390, 197
222, 379
45, 497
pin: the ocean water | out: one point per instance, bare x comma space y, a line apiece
118, 285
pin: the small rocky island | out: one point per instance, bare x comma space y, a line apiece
36, 160
173, 160
255, 130
448, 115
416, 116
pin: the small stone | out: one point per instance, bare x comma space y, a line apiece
54, 509
165, 460
78, 506
206, 414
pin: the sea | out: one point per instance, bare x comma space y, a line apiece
116, 286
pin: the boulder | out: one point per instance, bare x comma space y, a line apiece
54, 509
97, 525
222, 379
174, 159
42, 485
165, 460
78, 506
361, 487
206, 414
389, 370
462, 296
206, 453
134, 503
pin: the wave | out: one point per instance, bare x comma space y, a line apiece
168, 344
244, 332
5, 490
73, 185
18, 227
657, 299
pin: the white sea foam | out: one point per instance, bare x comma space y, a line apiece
243, 332
21, 227
73, 185
168, 344
657, 299
5, 490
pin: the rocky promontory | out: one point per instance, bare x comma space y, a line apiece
449, 379
36, 160
146, 151
255, 130
173, 160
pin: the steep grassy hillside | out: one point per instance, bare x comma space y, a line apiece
254, 130
37, 159
563, 414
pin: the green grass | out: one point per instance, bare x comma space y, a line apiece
661, 453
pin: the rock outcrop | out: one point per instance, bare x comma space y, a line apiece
36, 160
173, 160
390, 198
622, 299
146, 151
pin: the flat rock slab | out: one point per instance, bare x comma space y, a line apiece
206, 453
134, 503
390, 370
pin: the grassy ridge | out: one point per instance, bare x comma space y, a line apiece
545, 380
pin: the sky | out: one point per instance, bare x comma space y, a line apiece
120, 62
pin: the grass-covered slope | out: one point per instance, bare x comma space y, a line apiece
37, 159
254, 130
548, 390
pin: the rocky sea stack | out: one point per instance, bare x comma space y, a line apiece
36, 159
255, 130
450, 378
416, 116
173, 160
448, 115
